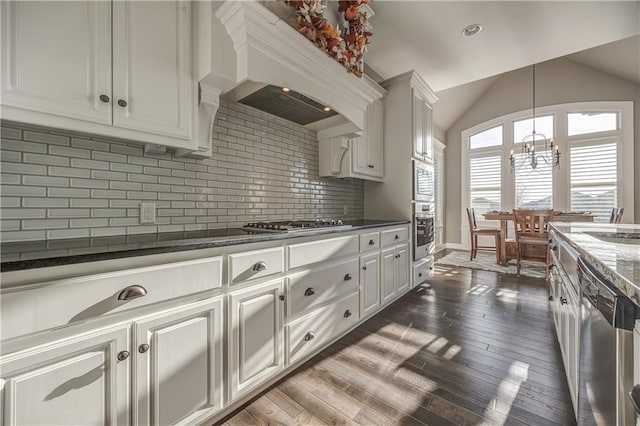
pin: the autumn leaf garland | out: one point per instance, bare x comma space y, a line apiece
347, 47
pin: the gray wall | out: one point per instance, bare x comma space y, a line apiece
56, 184
558, 81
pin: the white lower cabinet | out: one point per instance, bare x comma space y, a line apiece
178, 364
369, 284
74, 381
255, 335
394, 272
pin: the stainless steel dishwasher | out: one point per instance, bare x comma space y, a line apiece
606, 351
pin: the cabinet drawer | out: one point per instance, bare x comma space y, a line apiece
255, 264
370, 241
422, 270
394, 236
308, 289
319, 251
41, 306
310, 332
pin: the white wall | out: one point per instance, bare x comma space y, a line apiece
558, 81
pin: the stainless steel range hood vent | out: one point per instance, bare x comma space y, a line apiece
291, 105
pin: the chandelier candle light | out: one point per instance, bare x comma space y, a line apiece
550, 153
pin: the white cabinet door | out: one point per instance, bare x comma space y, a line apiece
255, 336
152, 87
360, 147
388, 274
418, 132
178, 364
402, 269
369, 284
75, 381
56, 59
375, 138
427, 132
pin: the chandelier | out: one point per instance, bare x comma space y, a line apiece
548, 152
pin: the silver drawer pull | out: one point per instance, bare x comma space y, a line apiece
397, 237
309, 336
419, 274
347, 277
371, 242
259, 266
347, 313
310, 291
132, 292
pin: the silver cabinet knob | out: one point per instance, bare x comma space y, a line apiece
123, 355
563, 301
310, 291
282, 297
397, 237
259, 266
132, 292
309, 336
105, 99
419, 274
364, 268
347, 277
347, 313
122, 103
371, 242
143, 348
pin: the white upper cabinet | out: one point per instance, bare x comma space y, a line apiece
56, 59
152, 86
368, 149
422, 128
119, 69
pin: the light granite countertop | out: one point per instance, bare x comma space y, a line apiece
612, 249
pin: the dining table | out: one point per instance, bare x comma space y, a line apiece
508, 247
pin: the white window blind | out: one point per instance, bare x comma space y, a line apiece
534, 187
594, 179
437, 169
485, 183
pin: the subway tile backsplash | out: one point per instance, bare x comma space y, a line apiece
58, 184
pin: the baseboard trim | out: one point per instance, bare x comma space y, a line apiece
454, 246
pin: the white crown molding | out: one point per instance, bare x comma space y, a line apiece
417, 82
268, 50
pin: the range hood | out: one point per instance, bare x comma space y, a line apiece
243, 50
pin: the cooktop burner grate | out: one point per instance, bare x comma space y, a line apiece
295, 225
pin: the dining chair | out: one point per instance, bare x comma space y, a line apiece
475, 231
616, 215
532, 228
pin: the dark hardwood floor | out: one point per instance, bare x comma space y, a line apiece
470, 348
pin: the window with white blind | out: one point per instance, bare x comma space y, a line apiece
594, 178
485, 180
533, 187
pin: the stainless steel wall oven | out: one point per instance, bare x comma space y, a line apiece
424, 237
423, 182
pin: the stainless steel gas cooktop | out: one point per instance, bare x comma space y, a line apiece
295, 225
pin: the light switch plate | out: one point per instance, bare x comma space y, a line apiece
147, 213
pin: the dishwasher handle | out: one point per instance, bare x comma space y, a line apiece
634, 396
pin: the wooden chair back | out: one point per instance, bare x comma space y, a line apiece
532, 223
616, 215
471, 215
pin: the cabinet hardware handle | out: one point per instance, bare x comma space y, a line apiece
347, 313
554, 248
371, 242
143, 348
310, 291
634, 395
309, 336
105, 99
122, 103
132, 292
563, 301
431, 268
371, 166
364, 268
347, 277
282, 297
419, 274
397, 237
123, 355
259, 266
551, 298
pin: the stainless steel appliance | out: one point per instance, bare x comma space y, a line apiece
423, 181
606, 350
424, 237
287, 226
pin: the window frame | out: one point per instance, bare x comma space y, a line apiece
561, 194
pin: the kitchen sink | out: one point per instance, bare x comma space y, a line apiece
617, 237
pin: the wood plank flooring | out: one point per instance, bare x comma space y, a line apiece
471, 347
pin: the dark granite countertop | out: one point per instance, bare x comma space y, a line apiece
40, 254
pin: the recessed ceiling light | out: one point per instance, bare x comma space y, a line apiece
285, 89
327, 109
471, 30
